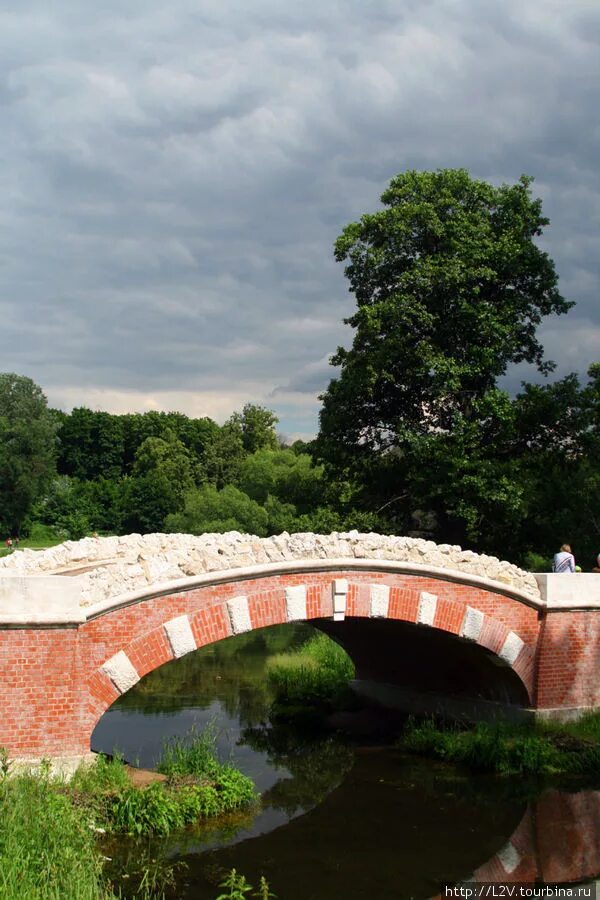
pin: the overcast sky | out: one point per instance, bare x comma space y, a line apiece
173, 176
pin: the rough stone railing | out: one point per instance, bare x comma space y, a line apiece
113, 566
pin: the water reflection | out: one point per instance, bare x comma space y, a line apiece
557, 840
338, 820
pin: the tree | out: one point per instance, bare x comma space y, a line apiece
91, 445
163, 473
208, 510
224, 455
257, 426
450, 287
27, 447
286, 475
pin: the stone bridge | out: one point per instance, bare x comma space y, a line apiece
81, 623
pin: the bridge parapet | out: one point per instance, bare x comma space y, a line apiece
580, 590
114, 566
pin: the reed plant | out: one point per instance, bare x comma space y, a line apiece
505, 749
317, 673
47, 846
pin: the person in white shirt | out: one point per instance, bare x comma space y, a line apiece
564, 561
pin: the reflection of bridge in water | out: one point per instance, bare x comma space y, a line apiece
557, 840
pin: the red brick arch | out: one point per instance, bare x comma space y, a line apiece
136, 637
58, 679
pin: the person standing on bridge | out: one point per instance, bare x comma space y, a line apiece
564, 561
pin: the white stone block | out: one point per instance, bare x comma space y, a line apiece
380, 601
509, 858
427, 607
180, 635
239, 614
472, 624
295, 602
511, 648
339, 587
121, 671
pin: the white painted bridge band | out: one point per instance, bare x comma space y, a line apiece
339, 593
380, 601
472, 624
295, 603
427, 608
239, 614
297, 567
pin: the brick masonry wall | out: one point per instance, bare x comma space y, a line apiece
569, 660
57, 682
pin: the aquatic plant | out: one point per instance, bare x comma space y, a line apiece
317, 673
238, 887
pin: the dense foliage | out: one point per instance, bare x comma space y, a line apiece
451, 284
417, 435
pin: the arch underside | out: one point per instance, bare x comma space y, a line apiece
426, 661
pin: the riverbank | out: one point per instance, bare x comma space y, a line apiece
51, 832
537, 748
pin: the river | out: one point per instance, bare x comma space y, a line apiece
343, 815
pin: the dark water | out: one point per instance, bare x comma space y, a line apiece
338, 818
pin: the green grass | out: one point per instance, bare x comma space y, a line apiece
49, 829
536, 749
317, 673
196, 754
40, 537
47, 848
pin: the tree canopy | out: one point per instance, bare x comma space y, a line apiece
27, 447
450, 285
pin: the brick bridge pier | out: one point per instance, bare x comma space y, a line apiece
80, 624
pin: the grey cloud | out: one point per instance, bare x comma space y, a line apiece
173, 176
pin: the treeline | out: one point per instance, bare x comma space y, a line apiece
88, 471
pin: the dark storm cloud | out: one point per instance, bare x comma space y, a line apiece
174, 175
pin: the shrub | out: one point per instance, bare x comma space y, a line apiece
317, 673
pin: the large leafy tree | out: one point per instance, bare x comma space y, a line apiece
450, 285
163, 473
257, 426
27, 447
91, 444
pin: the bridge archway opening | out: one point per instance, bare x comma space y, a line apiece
426, 661
222, 685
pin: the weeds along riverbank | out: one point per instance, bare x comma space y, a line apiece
315, 676
537, 748
50, 830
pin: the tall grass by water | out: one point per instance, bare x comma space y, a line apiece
317, 673
47, 847
50, 829
538, 748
